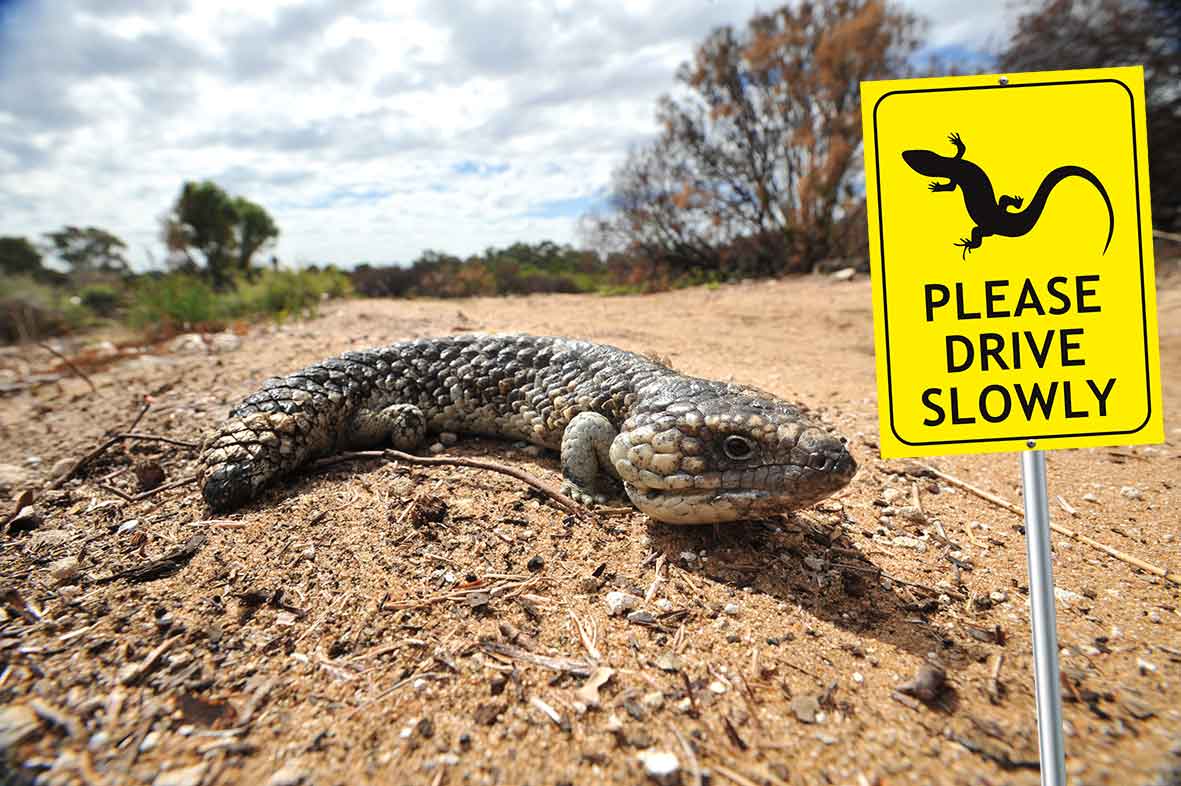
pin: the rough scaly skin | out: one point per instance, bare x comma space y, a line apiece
687, 450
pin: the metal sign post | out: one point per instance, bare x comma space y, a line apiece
1044, 621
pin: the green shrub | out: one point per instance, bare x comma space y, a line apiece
104, 301
31, 310
285, 292
175, 300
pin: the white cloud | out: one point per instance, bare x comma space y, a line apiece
369, 131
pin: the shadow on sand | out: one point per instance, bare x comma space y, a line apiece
814, 567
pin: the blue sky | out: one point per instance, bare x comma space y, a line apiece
370, 130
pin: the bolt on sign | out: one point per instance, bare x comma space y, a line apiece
1011, 257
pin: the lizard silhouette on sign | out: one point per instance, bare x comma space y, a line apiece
991, 215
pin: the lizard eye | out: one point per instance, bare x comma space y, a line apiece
738, 448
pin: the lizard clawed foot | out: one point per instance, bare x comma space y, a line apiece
966, 244
1017, 201
954, 138
934, 185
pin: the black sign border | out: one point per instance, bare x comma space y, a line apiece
1140, 249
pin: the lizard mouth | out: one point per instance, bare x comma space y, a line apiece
706, 506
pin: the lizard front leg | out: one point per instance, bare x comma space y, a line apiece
937, 186
960, 147
590, 477
402, 426
1009, 201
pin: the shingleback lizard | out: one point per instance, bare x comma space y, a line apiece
687, 450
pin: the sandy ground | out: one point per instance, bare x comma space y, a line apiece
373, 623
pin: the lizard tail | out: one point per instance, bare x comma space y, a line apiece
1057, 176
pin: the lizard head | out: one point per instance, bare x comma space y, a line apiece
700, 452
924, 162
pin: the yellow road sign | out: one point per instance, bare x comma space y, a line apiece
1011, 258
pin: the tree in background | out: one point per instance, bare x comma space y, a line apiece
255, 229
1097, 33
224, 230
762, 143
90, 250
19, 257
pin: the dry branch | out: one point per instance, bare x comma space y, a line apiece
70, 364
564, 502
1122, 556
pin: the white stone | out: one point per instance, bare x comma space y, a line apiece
225, 342
289, 775
907, 542
61, 467
64, 570
1131, 492
188, 344
189, 776
661, 766
653, 700
619, 603
17, 721
732, 609
1066, 596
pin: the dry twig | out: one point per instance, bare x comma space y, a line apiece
564, 502
123, 495
70, 364
995, 689
101, 448
1122, 556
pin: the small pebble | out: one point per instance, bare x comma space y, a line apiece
805, 707
64, 570
17, 721
731, 608
26, 518
150, 741
1089, 497
536, 563
905, 541
1146, 667
669, 661
618, 603
61, 467
289, 775
189, 776
664, 604
1154, 616
661, 766
1066, 596
127, 526
1130, 492
927, 684
436, 448
653, 700
996, 596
